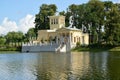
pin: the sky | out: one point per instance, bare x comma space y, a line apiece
19, 15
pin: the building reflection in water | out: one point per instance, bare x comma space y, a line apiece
62, 66
72, 66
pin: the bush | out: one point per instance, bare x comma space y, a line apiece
78, 44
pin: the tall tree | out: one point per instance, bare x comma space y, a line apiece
41, 19
2, 40
31, 33
14, 37
96, 17
112, 26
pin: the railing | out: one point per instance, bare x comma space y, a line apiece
36, 44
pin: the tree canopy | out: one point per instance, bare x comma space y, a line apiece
41, 19
101, 19
14, 37
2, 40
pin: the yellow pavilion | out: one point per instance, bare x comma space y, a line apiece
60, 34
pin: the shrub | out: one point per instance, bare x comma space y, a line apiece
78, 44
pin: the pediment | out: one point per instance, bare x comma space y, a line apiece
62, 29
67, 29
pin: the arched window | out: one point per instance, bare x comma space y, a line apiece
79, 39
56, 21
74, 39
71, 37
52, 21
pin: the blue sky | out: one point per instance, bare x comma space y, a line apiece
16, 9
14, 12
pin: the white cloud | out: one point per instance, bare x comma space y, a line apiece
23, 25
2, 29
26, 23
8, 25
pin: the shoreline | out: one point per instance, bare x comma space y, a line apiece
11, 48
95, 49
77, 49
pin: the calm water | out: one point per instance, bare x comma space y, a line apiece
60, 66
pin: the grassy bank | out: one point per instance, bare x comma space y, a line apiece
90, 49
13, 48
97, 48
115, 49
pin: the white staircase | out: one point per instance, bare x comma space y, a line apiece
63, 48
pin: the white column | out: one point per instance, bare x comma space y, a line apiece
70, 37
56, 39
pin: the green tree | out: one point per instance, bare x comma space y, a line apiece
96, 18
2, 41
62, 13
9, 37
14, 37
31, 34
19, 37
41, 19
112, 26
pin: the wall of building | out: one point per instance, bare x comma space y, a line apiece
39, 48
42, 34
46, 48
86, 38
45, 35
78, 36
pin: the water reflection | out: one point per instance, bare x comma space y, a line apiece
73, 66
53, 66
16, 67
97, 67
63, 66
114, 65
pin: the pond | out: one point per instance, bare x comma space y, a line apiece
60, 66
